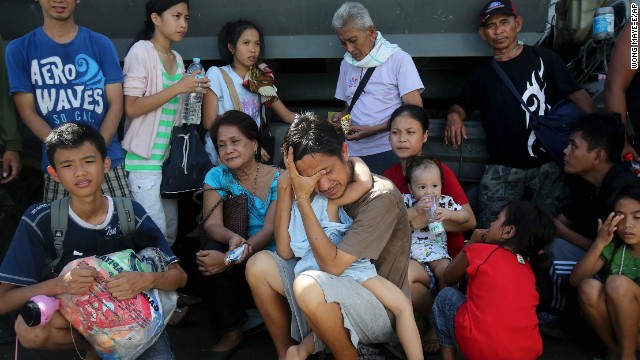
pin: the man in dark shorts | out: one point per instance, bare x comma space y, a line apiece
515, 166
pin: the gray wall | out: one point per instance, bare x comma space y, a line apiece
294, 29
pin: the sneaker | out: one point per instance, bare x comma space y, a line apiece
547, 317
254, 323
554, 330
184, 299
179, 314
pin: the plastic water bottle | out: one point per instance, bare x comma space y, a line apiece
603, 19
634, 166
192, 113
435, 227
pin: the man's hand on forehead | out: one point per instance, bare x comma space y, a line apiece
303, 186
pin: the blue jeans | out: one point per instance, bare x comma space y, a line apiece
443, 313
160, 350
380, 162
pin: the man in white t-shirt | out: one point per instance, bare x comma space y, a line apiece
394, 81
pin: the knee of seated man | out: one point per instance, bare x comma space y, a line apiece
617, 286
31, 337
307, 292
44, 336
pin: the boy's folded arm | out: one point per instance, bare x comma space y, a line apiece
13, 297
175, 277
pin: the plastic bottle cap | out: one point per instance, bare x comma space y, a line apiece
628, 156
196, 60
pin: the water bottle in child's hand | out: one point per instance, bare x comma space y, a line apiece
436, 227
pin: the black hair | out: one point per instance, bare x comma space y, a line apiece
602, 130
308, 134
413, 111
418, 162
243, 122
629, 190
72, 136
151, 7
534, 230
230, 34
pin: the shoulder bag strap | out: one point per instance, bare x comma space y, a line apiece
232, 89
206, 215
361, 85
124, 208
59, 221
512, 88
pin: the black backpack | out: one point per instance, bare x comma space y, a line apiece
60, 218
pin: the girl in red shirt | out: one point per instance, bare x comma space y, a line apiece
497, 319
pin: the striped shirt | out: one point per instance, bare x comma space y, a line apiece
168, 114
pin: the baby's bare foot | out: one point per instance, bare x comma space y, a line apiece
296, 352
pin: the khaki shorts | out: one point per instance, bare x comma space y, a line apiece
363, 314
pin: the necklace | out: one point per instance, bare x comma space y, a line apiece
253, 194
509, 53
622, 259
255, 180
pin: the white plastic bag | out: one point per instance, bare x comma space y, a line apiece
120, 330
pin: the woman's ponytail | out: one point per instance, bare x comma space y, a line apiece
223, 41
151, 7
146, 33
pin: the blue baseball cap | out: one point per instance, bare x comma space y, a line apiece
497, 7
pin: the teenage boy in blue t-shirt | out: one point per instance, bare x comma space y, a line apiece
61, 73
77, 154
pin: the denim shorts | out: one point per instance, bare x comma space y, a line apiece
443, 314
160, 350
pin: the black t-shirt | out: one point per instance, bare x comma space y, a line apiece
537, 73
587, 203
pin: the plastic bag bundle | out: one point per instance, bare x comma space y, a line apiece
119, 330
